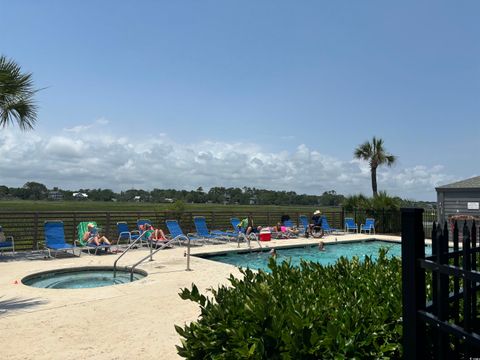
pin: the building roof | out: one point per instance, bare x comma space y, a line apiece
472, 183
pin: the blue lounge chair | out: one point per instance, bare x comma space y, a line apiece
288, 223
350, 225
141, 222
55, 238
6, 242
202, 230
235, 221
304, 224
368, 226
326, 227
124, 233
177, 234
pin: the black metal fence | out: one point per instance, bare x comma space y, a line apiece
440, 301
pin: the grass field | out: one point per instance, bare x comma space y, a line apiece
28, 205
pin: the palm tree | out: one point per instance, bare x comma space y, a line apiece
16, 96
375, 154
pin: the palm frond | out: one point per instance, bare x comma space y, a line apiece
364, 151
16, 96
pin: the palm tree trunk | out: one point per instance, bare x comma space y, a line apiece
374, 180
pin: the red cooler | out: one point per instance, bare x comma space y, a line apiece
265, 235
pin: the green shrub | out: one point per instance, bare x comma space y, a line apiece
348, 310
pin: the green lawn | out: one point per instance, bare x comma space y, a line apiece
28, 205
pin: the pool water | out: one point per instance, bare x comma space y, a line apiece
259, 260
80, 278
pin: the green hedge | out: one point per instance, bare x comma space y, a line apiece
348, 310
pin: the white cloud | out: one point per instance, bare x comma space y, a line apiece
60, 146
72, 160
79, 129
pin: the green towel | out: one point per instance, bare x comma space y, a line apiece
82, 228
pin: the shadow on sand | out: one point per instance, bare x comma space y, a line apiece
13, 304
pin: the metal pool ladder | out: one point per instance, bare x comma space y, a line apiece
126, 250
152, 252
248, 240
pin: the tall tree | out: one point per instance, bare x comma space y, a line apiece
376, 155
16, 96
35, 190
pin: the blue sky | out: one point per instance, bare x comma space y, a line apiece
271, 94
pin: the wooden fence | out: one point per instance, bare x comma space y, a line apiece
27, 227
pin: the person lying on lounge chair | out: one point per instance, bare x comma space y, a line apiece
92, 236
288, 231
151, 233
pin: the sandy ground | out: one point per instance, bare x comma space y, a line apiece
130, 321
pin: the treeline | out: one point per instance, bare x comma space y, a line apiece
216, 195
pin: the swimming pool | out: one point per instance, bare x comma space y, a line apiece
259, 260
81, 278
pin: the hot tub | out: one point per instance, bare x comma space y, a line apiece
81, 277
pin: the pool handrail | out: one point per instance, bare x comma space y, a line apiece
248, 239
255, 237
187, 254
126, 250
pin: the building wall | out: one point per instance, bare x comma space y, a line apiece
456, 203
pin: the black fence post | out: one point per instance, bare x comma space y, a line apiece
35, 233
107, 231
190, 228
383, 222
74, 230
474, 267
413, 282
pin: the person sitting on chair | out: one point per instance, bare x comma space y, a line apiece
248, 226
153, 234
92, 236
316, 224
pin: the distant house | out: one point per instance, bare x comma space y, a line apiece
80, 196
459, 198
55, 195
226, 199
137, 198
168, 200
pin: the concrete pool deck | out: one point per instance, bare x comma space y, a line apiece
130, 321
